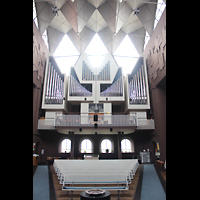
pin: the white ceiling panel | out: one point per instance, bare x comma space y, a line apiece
81, 19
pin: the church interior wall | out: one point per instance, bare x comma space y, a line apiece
49, 140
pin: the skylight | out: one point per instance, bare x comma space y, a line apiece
147, 38
96, 51
45, 38
66, 55
35, 15
126, 55
160, 8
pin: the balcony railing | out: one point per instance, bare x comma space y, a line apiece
46, 124
146, 124
87, 121
76, 121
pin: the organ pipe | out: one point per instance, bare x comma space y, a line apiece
88, 75
76, 89
143, 79
54, 87
141, 86
137, 87
115, 89
48, 80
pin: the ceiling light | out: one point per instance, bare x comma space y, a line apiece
55, 10
120, 1
72, 0
136, 11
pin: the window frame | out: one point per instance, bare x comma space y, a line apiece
132, 145
112, 145
60, 145
80, 147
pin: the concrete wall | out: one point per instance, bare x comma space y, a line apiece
40, 53
155, 54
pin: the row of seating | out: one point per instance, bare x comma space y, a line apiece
79, 175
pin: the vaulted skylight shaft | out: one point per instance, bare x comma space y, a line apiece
126, 55
96, 51
66, 55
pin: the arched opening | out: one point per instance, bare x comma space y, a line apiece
65, 146
86, 146
127, 146
106, 146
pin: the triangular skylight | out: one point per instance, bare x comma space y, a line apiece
66, 55
159, 10
126, 55
96, 51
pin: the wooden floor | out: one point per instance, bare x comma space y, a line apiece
124, 195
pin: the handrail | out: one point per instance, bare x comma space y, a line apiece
87, 121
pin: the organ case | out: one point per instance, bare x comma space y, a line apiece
54, 86
137, 87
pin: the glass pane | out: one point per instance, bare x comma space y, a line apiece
66, 146
126, 145
106, 144
86, 146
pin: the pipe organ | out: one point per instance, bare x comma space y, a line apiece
84, 99
138, 86
54, 86
77, 89
104, 74
116, 89
88, 75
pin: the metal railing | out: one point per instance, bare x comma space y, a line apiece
146, 124
103, 121
87, 121
46, 124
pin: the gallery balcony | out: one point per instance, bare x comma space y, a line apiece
119, 122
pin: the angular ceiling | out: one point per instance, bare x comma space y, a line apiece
81, 19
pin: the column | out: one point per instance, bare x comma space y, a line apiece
119, 145
72, 145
